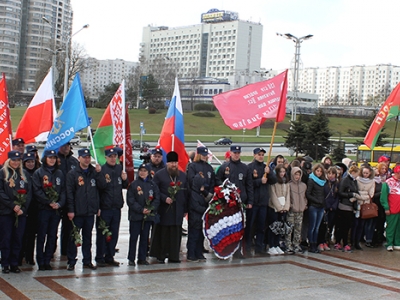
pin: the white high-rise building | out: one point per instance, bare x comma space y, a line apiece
24, 36
100, 73
218, 47
354, 85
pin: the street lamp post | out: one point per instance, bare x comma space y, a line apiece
53, 57
66, 67
298, 41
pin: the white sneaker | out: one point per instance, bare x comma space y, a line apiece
279, 250
272, 251
396, 247
389, 248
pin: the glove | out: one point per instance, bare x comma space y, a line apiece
205, 193
208, 197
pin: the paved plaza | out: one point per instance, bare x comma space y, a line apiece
369, 274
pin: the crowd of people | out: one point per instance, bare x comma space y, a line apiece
320, 205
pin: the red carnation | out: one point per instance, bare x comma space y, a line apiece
49, 184
172, 183
21, 191
151, 198
178, 183
78, 245
218, 207
108, 239
217, 189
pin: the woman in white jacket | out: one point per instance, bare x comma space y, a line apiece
366, 189
278, 206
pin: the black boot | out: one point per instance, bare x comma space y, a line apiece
357, 246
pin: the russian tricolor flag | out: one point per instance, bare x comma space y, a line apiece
172, 133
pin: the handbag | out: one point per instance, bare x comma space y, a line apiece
368, 210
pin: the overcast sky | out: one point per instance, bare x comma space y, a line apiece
346, 32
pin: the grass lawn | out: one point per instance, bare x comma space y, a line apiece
210, 129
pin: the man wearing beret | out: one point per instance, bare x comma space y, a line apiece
18, 145
156, 161
111, 182
173, 207
262, 177
239, 174
83, 202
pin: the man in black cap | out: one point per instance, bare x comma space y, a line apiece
262, 177
18, 145
173, 206
111, 182
67, 162
239, 174
83, 202
156, 161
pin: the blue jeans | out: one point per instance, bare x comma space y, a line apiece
370, 225
86, 225
315, 217
105, 252
257, 215
137, 228
195, 243
47, 233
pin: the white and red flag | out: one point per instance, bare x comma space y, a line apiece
5, 122
113, 130
38, 119
249, 106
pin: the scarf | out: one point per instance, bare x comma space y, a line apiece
364, 180
320, 182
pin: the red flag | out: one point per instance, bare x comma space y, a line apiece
5, 122
38, 119
249, 106
129, 165
388, 110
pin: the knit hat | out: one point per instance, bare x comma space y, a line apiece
172, 156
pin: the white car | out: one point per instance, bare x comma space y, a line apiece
76, 140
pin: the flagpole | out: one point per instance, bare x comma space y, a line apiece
123, 125
394, 136
271, 145
92, 143
217, 159
173, 142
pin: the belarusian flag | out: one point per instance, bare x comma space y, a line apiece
113, 130
388, 110
110, 131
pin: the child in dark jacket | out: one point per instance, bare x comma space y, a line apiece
331, 204
197, 206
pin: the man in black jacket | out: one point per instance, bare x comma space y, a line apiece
156, 161
66, 162
262, 177
82, 204
112, 180
239, 174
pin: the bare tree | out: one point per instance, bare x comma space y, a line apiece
77, 63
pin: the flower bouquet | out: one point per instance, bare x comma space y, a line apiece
49, 190
104, 229
76, 235
223, 221
21, 200
173, 189
149, 206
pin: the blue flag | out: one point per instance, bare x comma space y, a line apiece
71, 117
